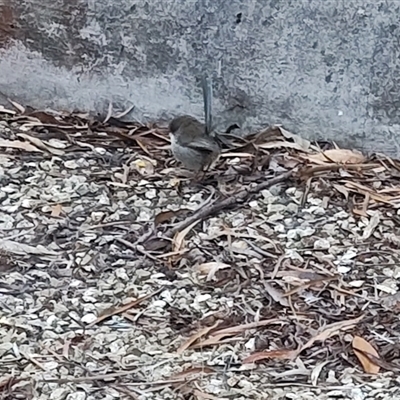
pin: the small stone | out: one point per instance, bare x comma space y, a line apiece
322, 244
77, 396
59, 393
307, 231
356, 284
292, 208
388, 286
88, 318
292, 234
151, 194
70, 164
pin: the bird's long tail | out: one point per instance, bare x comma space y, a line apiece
207, 97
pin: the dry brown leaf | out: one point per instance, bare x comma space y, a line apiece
392, 302
330, 331
23, 249
304, 144
65, 349
18, 144
341, 156
245, 327
46, 118
211, 268
213, 340
233, 155
193, 371
276, 295
268, 354
41, 145
363, 210
364, 190
287, 161
341, 189
18, 106
196, 337
4, 110
119, 310
310, 283
109, 112
206, 396
328, 167
8, 382
372, 225
165, 216
394, 190
178, 242
141, 144
317, 371
360, 347
279, 143
125, 112
56, 210
144, 166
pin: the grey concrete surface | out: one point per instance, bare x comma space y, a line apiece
324, 69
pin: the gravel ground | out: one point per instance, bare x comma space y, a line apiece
123, 278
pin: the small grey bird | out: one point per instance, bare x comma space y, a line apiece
191, 143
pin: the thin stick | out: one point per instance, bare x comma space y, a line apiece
218, 205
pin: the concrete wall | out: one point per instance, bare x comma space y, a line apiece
325, 69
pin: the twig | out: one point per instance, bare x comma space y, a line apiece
135, 247
88, 378
218, 205
122, 309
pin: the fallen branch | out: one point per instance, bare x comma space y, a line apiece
218, 205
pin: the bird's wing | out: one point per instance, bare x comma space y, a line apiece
204, 143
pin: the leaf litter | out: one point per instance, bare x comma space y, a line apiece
276, 276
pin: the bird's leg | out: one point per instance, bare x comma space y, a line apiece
198, 176
203, 172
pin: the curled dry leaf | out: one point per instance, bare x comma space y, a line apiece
250, 325
240, 155
189, 372
211, 268
18, 144
165, 216
56, 210
178, 241
143, 166
302, 143
215, 340
46, 118
341, 189
22, 248
341, 156
206, 396
279, 144
330, 331
18, 106
224, 335
188, 343
364, 190
119, 310
41, 145
317, 371
4, 110
276, 295
282, 354
372, 225
361, 347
